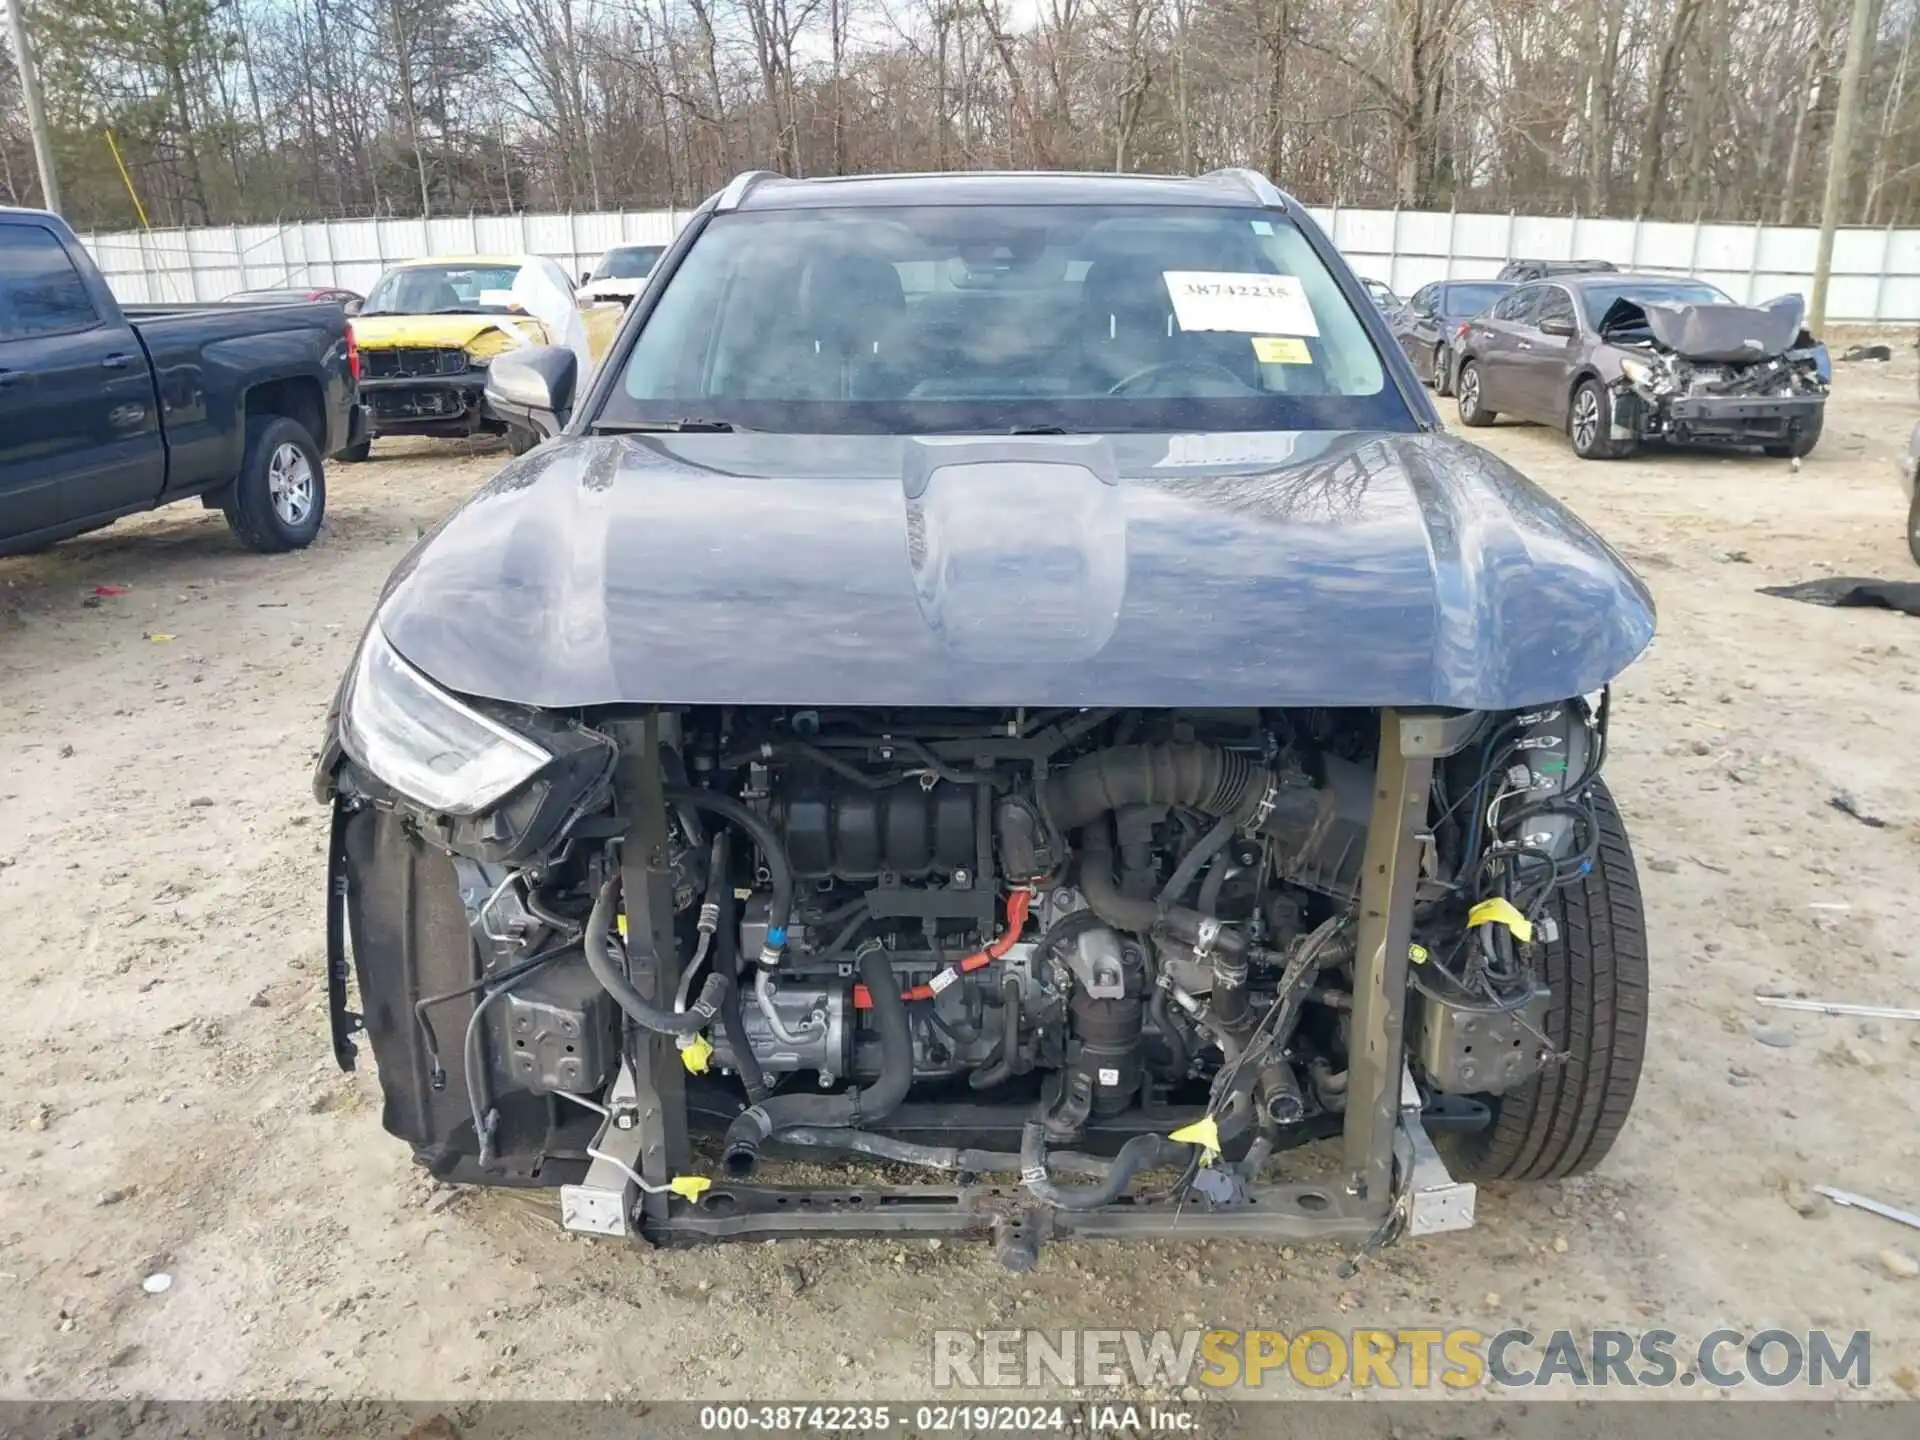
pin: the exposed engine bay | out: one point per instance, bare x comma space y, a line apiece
1093, 943
1740, 373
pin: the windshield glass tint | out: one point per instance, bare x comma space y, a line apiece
444, 289
1460, 301
633, 263
985, 319
1599, 298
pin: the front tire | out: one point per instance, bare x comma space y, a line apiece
1806, 435
1473, 408
1442, 365
1590, 424
1913, 526
1564, 1120
520, 439
280, 495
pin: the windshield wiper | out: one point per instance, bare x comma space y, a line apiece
655, 427
1041, 430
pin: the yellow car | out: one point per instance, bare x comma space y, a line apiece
430, 328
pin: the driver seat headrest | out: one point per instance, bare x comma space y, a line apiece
850, 301
1126, 300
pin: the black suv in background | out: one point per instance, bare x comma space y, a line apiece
1523, 270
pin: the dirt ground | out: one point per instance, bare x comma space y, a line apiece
167, 1101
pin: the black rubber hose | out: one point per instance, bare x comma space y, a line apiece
1220, 782
849, 1111
780, 905
1215, 882
800, 749
642, 1011
1188, 870
1160, 1010
1143, 1152
1123, 912
845, 938
1279, 1092
1132, 913
1000, 1069
726, 961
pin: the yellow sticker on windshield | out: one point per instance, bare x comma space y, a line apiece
1280, 350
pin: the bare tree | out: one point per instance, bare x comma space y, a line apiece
245, 109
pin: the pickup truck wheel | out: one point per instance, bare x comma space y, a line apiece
1567, 1117
1800, 440
1473, 410
1913, 526
280, 495
520, 439
355, 454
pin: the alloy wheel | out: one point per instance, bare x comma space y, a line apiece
290, 485
1586, 420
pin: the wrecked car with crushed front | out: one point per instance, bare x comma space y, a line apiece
1002, 683
1616, 360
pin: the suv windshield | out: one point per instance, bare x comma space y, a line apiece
914, 320
444, 290
632, 262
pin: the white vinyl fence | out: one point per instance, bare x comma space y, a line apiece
1876, 273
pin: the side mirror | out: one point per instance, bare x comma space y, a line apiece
586, 277
352, 307
533, 388
1562, 328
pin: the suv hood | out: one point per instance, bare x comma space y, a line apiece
1329, 569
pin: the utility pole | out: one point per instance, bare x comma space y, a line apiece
1839, 154
36, 107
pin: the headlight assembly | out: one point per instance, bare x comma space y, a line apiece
1640, 373
433, 749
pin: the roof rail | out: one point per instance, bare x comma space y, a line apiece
1261, 188
732, 197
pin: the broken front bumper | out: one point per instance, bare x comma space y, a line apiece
1389, 1180
1736, 419
414, 406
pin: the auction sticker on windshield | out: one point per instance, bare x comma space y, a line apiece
1281, 350
1244, 304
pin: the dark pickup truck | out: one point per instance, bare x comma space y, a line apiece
107, 410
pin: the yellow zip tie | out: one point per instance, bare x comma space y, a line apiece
620, 924
1501, 912
689, 1187
695, 1054
1417, 954
1204, 1132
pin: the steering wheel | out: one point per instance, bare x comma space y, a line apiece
1120, 387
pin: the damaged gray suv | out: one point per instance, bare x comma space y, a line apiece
999, 683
